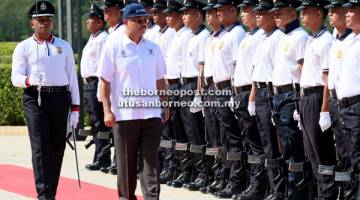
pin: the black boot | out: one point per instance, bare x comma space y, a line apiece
96, 166
185, 176
235, 189
257, 188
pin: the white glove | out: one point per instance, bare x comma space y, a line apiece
296, 116
37, 78
196, 104
232, 104
325, 121
251, 108
74, 119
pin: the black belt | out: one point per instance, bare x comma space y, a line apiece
90, 79
333, 94
173, 81
244, 88
223, 84
189, 80
286, 88
209, 81
51, 89
261, 85
348, 101
311, 90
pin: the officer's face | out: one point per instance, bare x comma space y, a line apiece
159, 18
173, 18
94, 24
225, 13
248, 16
283, 16
309, 15
353, 18
112, 15
136, 25
190, 17
264, 18
42, 25
337, 16
212, 18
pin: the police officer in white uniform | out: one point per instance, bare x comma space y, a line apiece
288, 63
339, 46
89, 65
242, 87
348, 93
174, 58
260, 100
314, 99
44, 66
133, 63
215, 175
225, 60
113, 17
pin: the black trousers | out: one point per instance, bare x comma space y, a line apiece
96, 114
350, 116
229, 129
131, 137
318, 145
248, 127
211, 121
267, 130
47, 126
291, 139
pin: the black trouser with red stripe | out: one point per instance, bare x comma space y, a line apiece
47, 126
318, 145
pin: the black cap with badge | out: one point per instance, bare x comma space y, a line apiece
146, 3
159, 5
313, 3
264, 5
112, 3
41, 8
248, 3
95, 11
194, 4
210, 5
173, 6
336, 4
222, 3
286, 3
352, 3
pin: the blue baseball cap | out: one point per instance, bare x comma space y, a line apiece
134, 10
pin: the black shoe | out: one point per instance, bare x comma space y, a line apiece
113, 170
197, 184
165, 176
211, 188
104, 170
181, 180
256, 189
95, 166
226, 193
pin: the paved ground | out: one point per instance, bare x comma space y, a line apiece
15, 149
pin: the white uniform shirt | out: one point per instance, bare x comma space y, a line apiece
265, 56
175, 55
127, 65
289, 54
210, 50
349, 81
226, 52
195, 53
165, 38
91, 54
337, 52
316, 59
246, 57
54, 58
152, 33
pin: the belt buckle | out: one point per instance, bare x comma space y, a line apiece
258, 86
275, 89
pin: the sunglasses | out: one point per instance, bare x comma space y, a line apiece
139, 21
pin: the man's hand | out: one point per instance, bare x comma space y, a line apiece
109, 118
251, 108
325, 121
296, 116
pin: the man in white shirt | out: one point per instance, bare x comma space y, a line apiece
89, 65
260, 103
314, 99
339, 46
175, 55
289, 59
348, 93
44, 66
242, 87
128, 66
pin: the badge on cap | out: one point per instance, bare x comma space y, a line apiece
59, 50
43, 6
